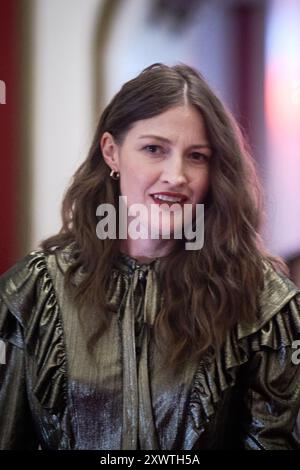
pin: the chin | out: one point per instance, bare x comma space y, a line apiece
172, 230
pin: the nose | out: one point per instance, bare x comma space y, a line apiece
174, 172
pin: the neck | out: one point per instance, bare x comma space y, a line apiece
146, 250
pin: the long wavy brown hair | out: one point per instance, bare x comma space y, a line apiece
206, 292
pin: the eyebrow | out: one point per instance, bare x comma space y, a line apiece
164, 139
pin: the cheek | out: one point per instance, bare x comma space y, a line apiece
135, 186
138, 179
128, 178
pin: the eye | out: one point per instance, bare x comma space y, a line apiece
152, 148
199, 157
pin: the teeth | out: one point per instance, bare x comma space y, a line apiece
163, 197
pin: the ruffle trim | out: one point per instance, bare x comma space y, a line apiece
215, 376
28, 292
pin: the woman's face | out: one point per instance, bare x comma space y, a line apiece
168, 153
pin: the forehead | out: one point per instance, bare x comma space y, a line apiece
180, 120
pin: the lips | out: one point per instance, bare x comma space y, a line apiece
169, 197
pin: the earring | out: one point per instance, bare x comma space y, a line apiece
115, 175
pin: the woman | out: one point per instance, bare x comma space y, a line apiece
136, 342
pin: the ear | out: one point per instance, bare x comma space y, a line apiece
110, 151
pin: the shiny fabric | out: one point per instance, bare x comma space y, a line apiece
53, 394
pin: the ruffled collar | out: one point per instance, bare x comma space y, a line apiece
277, 291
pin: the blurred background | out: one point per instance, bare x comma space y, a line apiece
61, 61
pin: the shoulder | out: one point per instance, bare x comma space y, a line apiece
277, 324
30, 319
28, 285
278, 300
273, 337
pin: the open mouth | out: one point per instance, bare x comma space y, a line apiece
168, 199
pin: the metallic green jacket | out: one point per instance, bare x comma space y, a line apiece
53, 394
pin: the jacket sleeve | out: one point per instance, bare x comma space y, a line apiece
272, 379
16, 425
